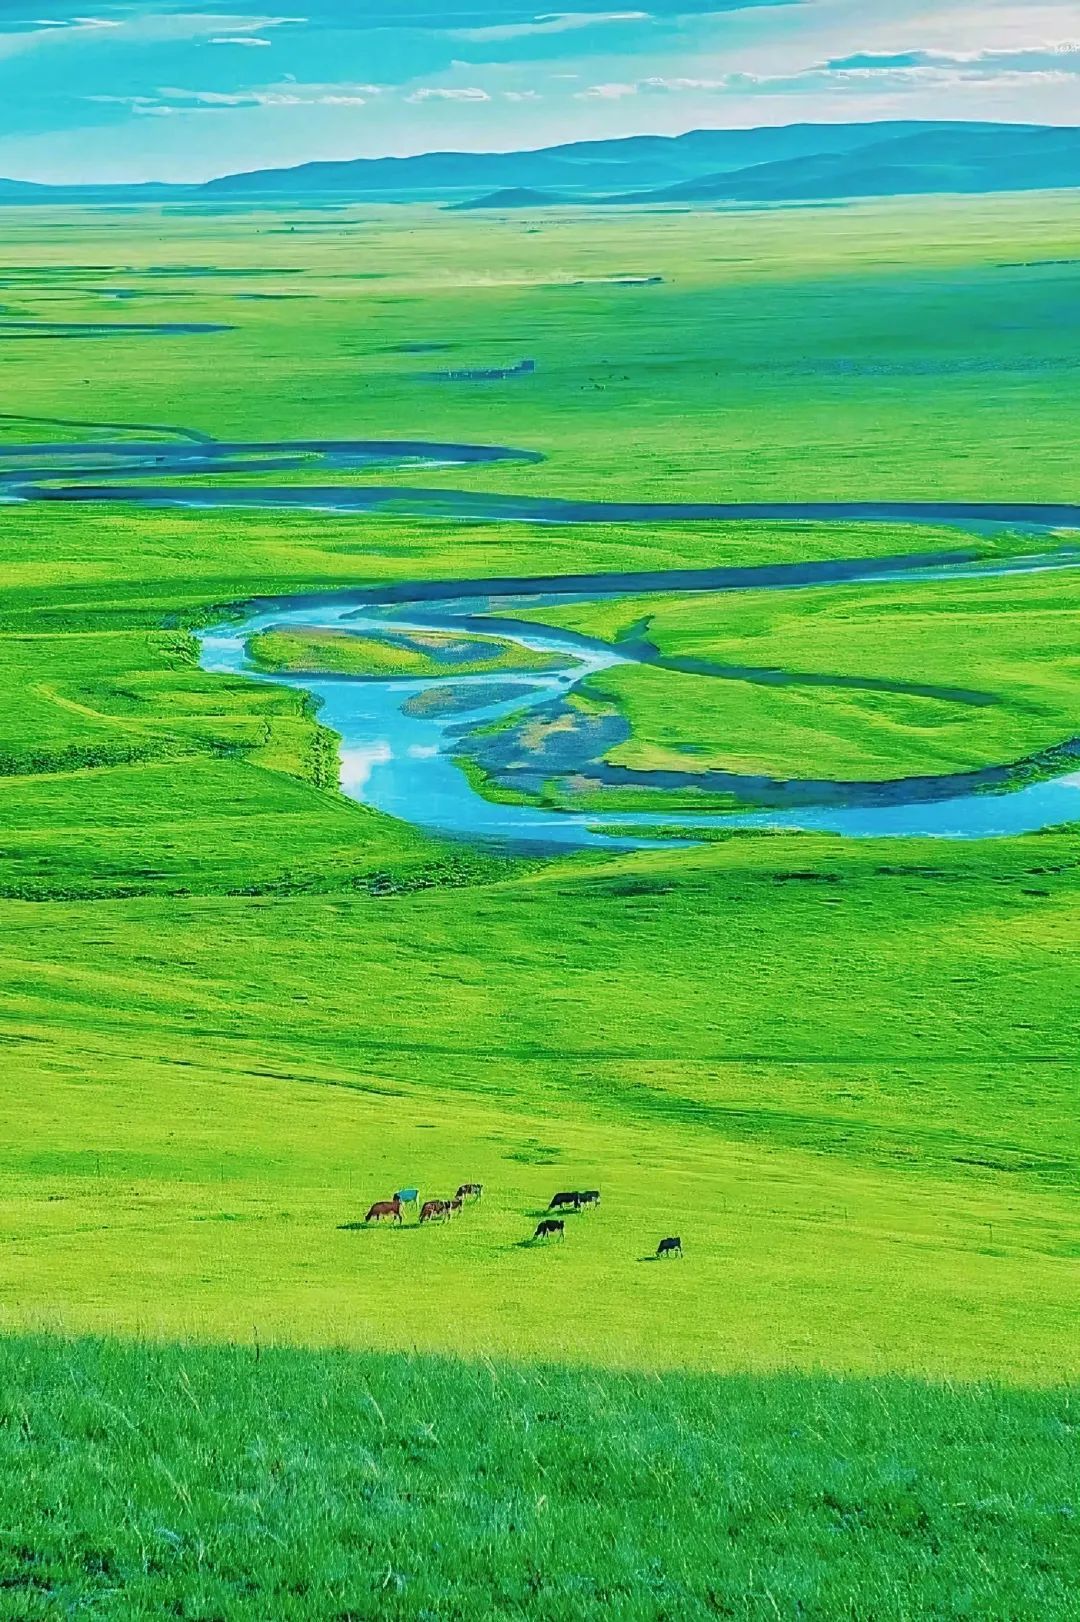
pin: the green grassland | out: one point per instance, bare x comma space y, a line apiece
960, 674
211, 1483
219, 1084
428, 653
235, 1006
936, 336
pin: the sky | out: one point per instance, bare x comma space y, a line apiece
181, 90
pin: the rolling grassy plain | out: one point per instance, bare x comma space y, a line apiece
236, 1006
901, 349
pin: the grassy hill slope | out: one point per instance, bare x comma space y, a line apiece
242, 1484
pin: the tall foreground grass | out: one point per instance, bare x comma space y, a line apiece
148, 1482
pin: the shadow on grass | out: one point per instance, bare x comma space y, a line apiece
379, 1227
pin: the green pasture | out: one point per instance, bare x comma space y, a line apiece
936, 336
236, 1007
250, 1483
785, 1050
956, 675
239, 1007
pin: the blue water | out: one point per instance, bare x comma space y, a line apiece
92, 471
402, 764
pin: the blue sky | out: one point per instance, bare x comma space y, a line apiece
116, 90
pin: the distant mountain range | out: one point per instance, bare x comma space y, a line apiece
945, 158
589, 167
793, 163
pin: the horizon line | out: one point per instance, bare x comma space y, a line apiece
510, 151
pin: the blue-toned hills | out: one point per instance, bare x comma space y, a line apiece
792, 163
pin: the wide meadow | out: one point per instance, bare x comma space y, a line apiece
237, 1006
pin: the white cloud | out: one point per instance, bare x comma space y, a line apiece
1052, 63
175, 99
559, 22
1055, 56
676, 85
145, 28
244, 39
51, 29
607, 92
438, 93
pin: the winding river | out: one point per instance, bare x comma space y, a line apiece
90, 471
400, 736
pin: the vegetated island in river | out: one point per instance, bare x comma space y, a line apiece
404, 654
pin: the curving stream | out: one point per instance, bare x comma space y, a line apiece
400, 736
95, 471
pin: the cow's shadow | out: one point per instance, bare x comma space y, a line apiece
378, 1227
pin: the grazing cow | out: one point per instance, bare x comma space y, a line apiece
560, 1201
407, 1196
384, 1208
453, 1206
549, 1227
669, 1247
470, 1191
435, 1211
590, 1196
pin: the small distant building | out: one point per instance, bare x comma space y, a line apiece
491, 375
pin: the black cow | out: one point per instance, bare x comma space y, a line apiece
669, 1247
550, 1226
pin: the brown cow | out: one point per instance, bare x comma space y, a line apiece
470, 1191
384, 1208
549, 1227
669, 1247
435, 1211
454, 1206
560, 1201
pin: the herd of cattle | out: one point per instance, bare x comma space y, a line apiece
430, 1211
446, 1210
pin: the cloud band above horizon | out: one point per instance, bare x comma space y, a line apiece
164, 89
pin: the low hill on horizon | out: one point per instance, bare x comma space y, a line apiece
510, 197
